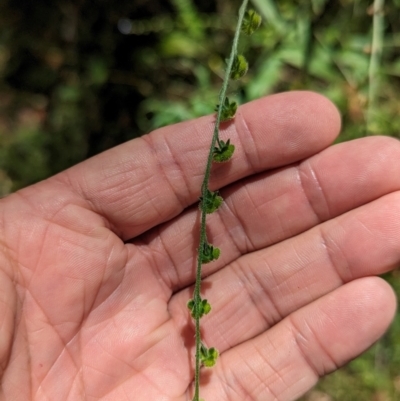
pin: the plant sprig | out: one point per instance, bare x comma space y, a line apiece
210, 201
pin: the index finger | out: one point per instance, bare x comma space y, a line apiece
149, 180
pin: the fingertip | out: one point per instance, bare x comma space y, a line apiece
304, 121
381, 302
349, 321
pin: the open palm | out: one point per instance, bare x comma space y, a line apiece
97, 263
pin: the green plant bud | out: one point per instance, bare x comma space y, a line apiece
228, 110
212, 201
209, 253
251, 22
239, 67
208, 356
223, 152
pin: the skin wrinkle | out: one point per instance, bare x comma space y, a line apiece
245, 247
64, 214
125, 393
160, 172
264, 289
127, 169
102, 281
23, 286
158, 245
330, 254
22, 278
6, 353
78, 370
222, 338
157, 266
99, 282
65, 349
83, 311
78, 378
118, 359
275, 284
296, 335
11, 267
241, 224
225, 227
93, 368
249, 155
64, 343
325, 212
281, 226
296, 272
315, 340
132, 366
236, 385
160, 161
50, 223
259, 379
253, 289
270, 365
365, 227
81, 193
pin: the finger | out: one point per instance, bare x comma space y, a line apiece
260, 289
287, 360
262, 211
151, 179
8, 301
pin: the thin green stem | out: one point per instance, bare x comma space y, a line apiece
374, 64
204, 189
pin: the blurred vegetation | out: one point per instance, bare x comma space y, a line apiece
79, 77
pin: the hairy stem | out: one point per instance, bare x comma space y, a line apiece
204, 189
376, 52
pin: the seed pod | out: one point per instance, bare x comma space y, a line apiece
228, 110
209, 253
223, 152
251, 22
239, 67
208, 356
212, 201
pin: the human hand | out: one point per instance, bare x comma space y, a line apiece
97, 263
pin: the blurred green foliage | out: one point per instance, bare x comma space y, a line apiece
79, 77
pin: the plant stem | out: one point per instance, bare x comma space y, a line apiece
204, 189
376, 52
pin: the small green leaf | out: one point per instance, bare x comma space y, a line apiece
209, 253
251, 22
205, 307
239, 67
208, 356
223, 152
190, 304
212, 201
228, 110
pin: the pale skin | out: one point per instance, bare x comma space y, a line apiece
97, 263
